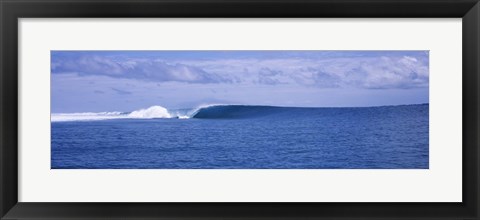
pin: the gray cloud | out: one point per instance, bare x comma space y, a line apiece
147, 70
121, 92
269, 76
374, 72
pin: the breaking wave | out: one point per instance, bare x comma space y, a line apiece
152, 112
207, 112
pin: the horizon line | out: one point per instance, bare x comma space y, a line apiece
275, 106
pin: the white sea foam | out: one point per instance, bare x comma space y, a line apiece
147, 113
86, 116
152, 112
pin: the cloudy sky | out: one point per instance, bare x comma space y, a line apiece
94, 81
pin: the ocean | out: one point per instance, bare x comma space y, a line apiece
244, 137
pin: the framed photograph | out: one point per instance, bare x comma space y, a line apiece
239, 110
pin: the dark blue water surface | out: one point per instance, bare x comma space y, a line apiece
250, 137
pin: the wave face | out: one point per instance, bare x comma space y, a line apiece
210, 112
239, 111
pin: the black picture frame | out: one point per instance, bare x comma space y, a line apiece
12, 10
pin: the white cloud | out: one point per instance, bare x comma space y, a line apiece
371, 72
148, 70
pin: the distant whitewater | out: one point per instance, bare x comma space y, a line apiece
203, 112
152, 112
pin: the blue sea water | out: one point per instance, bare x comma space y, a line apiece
250, 137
